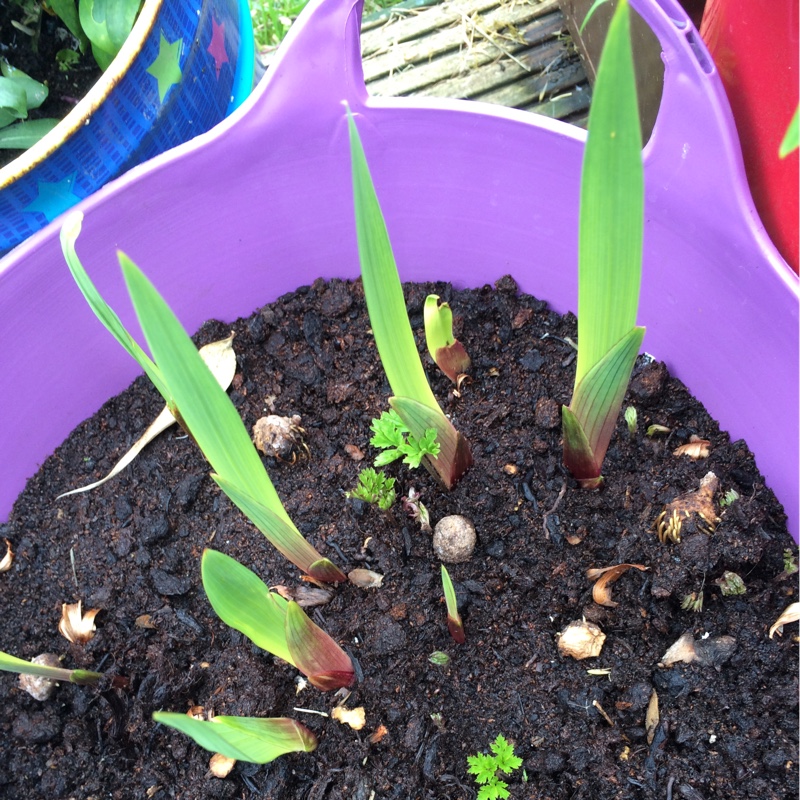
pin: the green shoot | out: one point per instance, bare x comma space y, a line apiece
413, 401
609, 258
374, 487
199, 403
631, 419
791, 139
439, 658
729, 498
657, 430
731, 584
789, 562
446, 351
485, 768
394, 437
454, 624
81, 677
243, 601
257, 740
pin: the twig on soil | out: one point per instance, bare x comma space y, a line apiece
552, 511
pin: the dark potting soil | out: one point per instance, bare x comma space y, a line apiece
36, 56
132, 548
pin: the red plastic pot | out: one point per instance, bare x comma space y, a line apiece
755, 49
262, 204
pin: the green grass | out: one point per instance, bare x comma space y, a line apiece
273, 18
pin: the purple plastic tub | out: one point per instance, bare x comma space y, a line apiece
262, 204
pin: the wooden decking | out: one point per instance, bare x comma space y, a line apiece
516, 53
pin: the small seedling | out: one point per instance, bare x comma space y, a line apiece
631, 418
413, 399
415, 509
374, 487
731, 584
658, 430
729, 498
446, 351
693, 602
195, 398
454, 624
486, 767
394, 437
789, 562
439, 658
609, 258
81, 677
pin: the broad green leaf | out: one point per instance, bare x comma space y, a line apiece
382, 289
596, 403
107, 23
67, 12
315, 654
612, 203
242, 600
13, 102
283, 535
203, 406
35, 92
106, 315
454, 457
253, 739
9, 663
25, 134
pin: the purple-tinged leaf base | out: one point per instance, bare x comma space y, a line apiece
454, 458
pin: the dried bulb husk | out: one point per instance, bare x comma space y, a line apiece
37, 686
790, 614
365, 578
581, 639
277, 436
74, 626
8, 558
354, 717
220, 766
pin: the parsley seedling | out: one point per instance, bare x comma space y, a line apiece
394, 437
374, 487
485, 768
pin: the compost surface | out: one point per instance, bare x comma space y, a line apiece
132, 549
34, 52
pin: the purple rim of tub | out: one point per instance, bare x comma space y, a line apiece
262, 204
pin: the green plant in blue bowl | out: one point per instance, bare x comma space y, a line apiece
179, 71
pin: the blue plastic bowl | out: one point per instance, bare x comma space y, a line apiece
185, 66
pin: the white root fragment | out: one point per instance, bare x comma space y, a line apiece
221, 360
37, 686
581, 639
